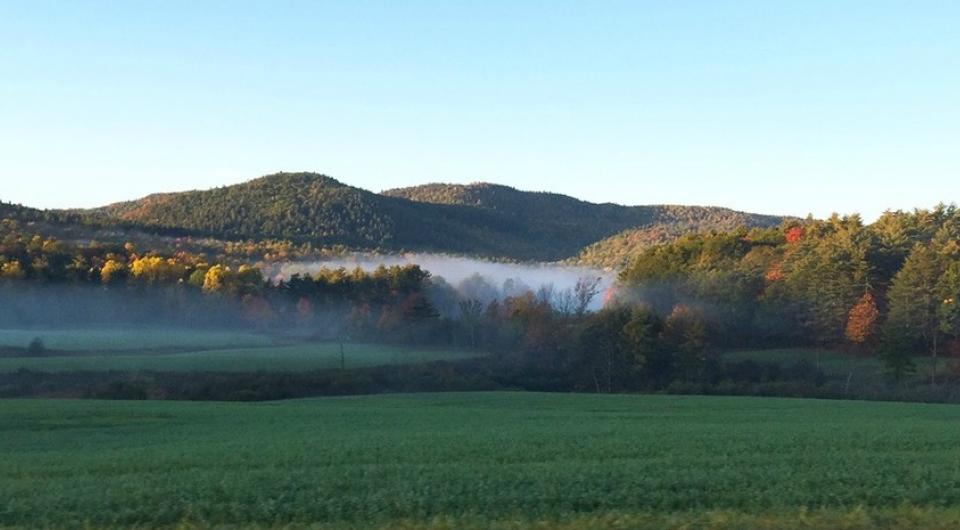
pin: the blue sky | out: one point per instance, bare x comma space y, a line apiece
773, 107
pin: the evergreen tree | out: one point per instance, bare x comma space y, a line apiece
915, 302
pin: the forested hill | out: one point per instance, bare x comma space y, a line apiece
611, 234
16, 211
287, 206
482, 219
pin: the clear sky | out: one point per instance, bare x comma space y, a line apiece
788, 107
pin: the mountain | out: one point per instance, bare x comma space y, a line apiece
477, 219
309, 207
608, 235
297, 206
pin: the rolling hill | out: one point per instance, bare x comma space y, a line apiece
478, 219
609, 235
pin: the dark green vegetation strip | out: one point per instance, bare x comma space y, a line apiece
132, 338
504, 459
301, 357
104, 349
831, 362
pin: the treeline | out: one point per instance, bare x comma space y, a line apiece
46, 281
28, 255
546, 337
889, 288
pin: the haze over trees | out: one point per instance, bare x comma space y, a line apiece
886, 290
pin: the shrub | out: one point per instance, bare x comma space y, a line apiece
36, 348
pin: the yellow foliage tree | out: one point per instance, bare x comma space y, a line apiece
216, 279
112, 270
12, 270
156, 269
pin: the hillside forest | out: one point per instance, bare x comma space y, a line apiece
314, 212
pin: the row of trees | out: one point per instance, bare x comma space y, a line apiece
387, 303
887, 288
29, 256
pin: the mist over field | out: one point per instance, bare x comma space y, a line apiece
481, 280
55, 306
452, 280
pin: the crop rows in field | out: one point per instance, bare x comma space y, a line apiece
476, 457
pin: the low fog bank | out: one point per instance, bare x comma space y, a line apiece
56, 306
485, 281
453, 281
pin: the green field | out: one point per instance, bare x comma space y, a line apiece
830, 361
508, 460
131, 339
860, 369
269, 358
180, 350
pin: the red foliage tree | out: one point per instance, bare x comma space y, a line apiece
794, 234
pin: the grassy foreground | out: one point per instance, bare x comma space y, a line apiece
506, 460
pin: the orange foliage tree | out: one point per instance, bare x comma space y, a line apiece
862, 320
794, 234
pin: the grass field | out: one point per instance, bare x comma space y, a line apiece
269, 358
132, 339
180, 350
831, 362
861, 369
503, 460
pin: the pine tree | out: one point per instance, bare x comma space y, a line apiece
914, 301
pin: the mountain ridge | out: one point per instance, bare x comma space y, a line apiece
485, 219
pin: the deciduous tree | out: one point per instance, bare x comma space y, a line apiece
862, 320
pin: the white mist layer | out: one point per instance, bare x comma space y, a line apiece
465, 274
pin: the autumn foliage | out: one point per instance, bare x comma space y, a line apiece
794, 234
862, 320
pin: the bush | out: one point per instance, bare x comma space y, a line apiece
36, 348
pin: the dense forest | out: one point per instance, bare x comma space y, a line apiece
620, 250
887, 290
642, 226
693, 282
311, 209
594, 226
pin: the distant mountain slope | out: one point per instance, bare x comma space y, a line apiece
319, 209
296, 206
614, 233
620, 249
480, 219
